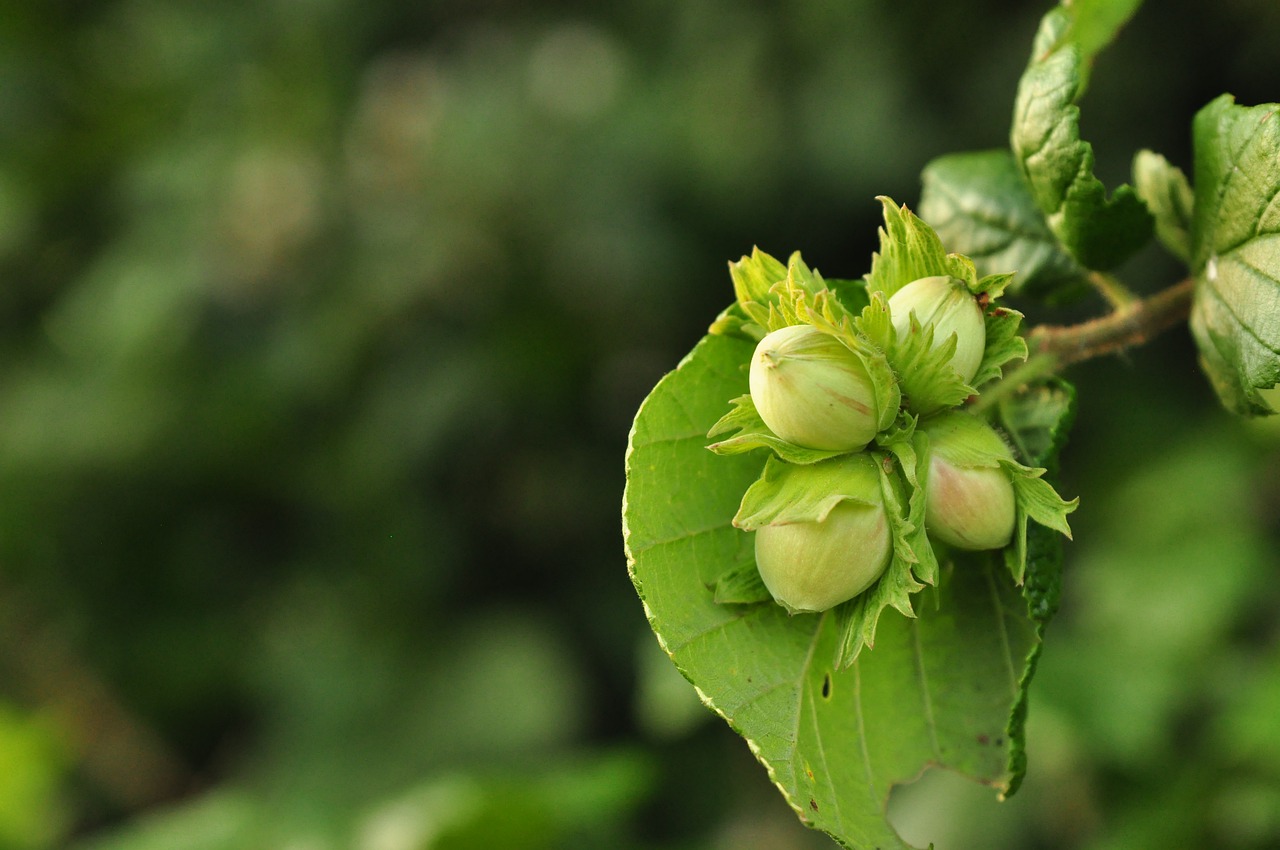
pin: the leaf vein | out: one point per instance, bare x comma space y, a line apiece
926, 695
1248, 330
1002, 630
862, 734
691, 533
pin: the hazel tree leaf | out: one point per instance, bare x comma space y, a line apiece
1096, 23
943, 688
1098, 231
1235, 237
980, 206
1167, 193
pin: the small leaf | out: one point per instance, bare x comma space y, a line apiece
980, 206
928, 381
1235, 315
1100, 232
1038, 498
1096, 25
1165, 190
910, 449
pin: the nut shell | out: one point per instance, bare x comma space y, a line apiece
812, 390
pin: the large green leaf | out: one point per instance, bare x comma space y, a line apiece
1236, 250
1100, 232
945, 688
980, 206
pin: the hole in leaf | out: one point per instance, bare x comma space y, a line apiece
948, 811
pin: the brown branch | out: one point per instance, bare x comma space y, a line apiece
1133, 324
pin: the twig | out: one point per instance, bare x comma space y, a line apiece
1133, 324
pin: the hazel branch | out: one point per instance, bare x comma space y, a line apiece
1053, 347
1132, 324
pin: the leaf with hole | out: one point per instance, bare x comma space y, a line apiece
946, 687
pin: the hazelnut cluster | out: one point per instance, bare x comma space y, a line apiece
811, 390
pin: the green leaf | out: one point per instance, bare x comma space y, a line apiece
1167, 193
941, 689
1098, 231
1096, 23
1235, 236
980, 206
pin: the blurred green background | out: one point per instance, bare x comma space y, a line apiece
321, 329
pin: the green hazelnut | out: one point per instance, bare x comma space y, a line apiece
812, 390
813, 566
947, 304
969, 498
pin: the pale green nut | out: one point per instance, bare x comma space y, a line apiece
969, 498
947, 304
814, 566
812, 390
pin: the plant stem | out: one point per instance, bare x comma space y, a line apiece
1130, 325
1109, 287
1054, 347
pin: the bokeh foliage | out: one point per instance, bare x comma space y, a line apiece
321, 329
